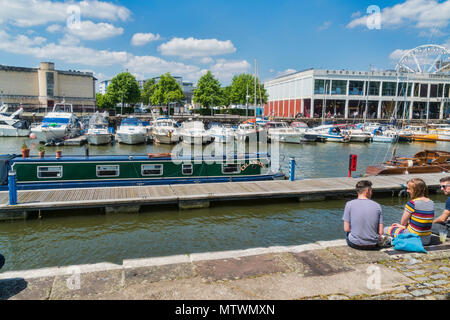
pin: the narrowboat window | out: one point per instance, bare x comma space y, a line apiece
231, 168
108, 171
187, 169
152, 170
49, 172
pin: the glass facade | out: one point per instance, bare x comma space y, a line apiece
320, 86
50, 84
339, 87
404, 87
356, 88
374, 88
423, 90
433, 91
389, 89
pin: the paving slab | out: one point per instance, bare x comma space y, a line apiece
238, 268
68, 287
294, 286
321, 263
353, 256
158, 273
30, 289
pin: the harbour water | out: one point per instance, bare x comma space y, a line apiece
82, 238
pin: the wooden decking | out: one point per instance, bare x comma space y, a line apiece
190, 194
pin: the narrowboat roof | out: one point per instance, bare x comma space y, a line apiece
71, 158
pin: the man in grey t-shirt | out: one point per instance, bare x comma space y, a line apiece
363, 219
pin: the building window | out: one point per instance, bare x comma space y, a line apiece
54, 172
416, 89
423, 90
339, 87
374, 88
152, 170
231, 168
440, 90
322, 86
187, 169
356, 88
404, 87
388, 88
50, 84
433, 90
447, 91
107, 171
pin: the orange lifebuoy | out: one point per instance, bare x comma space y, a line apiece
159, 155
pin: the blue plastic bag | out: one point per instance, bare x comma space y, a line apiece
408, 242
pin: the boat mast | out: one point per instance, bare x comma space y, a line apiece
255, 87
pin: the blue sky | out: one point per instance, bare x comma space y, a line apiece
187, 38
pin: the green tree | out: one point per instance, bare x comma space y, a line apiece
208, 92
147, 91
104, 101
243, 82
124, 85
226, 96
167, 89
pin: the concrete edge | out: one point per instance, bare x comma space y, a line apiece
161, 261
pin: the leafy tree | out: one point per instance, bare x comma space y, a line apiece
208, 92
167, 89
239, 90
226, 96
124, 84
104, 101
148, 90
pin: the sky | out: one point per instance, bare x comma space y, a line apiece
188, 38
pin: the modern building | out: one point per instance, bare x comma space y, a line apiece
44, 86
345, 94
103, 86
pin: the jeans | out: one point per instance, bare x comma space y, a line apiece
436, 227
355, 246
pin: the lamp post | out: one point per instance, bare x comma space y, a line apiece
121, 107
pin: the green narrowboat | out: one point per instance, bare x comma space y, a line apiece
118, 170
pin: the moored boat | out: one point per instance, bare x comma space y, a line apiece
124, 170
132, 131
98, 132
165, 130
11, 125
427, 161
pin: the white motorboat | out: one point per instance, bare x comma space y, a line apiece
193, 132
309, 135
221, 133
247, 132
280, 131
59, 124
331, 133
384, 136
11, 125
165, 130
131, 131
357, 135
98, 132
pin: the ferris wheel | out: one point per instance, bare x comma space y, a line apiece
429, 58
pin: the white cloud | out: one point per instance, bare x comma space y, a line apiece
419, 13
140, 39
88, 30
67, 52
150, 65
324, 26
356, 14
206, 60
285, 72
190, 47
27, 13
225, 69
54, 28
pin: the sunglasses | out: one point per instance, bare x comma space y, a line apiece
445, 186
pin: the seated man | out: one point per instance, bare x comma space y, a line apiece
443, 222
363, 219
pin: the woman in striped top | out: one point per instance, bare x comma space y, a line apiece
418, 215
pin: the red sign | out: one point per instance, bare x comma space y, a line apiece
353, 162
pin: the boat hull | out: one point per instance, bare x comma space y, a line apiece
133, 138
13, 132
46, 135
425, 137
166, 139
99, 139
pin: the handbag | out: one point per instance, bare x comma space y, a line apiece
408, 242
